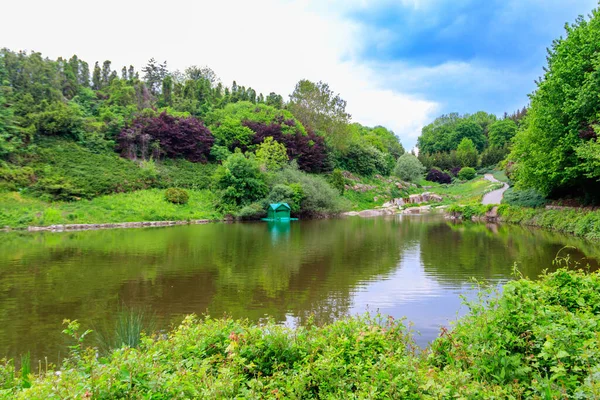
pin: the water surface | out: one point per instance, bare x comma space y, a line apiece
413, 266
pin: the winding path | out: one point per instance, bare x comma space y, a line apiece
494, 197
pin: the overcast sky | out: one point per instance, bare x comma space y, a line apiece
398, 63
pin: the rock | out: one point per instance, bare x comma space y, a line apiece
415, 199
351, 214
399, 185
412, 210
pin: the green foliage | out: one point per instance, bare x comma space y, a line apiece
501, 132
176, 196
443, 161
467, 173
129, 329
321, 110
467, 153
409, 168
364, 160
563, 116
271, 155
312, 193
446, 132
524, 198
493, 155
337, 180
240, 180
67, 171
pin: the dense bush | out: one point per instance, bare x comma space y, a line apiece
409, 168
524, 198
316, 196
435, 175
306, 148
240, 181
364, 160
176, 196
443, 161
467, 173
173, 137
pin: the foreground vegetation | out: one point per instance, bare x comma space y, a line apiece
534, 340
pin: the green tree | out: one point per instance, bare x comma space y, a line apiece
551, 150
467, 153
409, 168
240, 181
501, 132
271, 154
7, 128
321, 110
96, 77
469, 130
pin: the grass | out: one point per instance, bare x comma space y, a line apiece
533, 340
19, 211
469, 192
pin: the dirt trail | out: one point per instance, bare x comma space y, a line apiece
494, 197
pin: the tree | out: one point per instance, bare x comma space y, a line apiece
154, 73
106, 73
550, 151
409, 168
467, 153
321, 110
469, 130
271, 154
196, 73
240, 180
501, 132
97, 77
274, 100
7, 129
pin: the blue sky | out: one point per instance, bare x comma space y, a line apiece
465, 55
398, 63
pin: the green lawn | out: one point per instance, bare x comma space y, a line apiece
19, 211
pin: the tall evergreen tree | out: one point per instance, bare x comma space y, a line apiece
106, 71
84, 75
96, 77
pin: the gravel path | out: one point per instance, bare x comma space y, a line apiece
494, 197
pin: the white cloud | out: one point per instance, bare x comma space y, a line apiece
268, 45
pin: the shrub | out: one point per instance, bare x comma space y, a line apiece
524, 198
271, 154
337, 180
253, 211
172, 136
467, 173
176, 196
409, 168
435, 175
313, 193
240, 180
364, 160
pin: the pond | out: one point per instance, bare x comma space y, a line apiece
412, 266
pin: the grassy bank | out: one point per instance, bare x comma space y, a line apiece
19, 211
535, 340
578, 222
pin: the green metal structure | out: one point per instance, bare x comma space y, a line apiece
279, 212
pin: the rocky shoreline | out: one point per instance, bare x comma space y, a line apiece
120, 225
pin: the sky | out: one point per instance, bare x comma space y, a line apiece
398, 63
